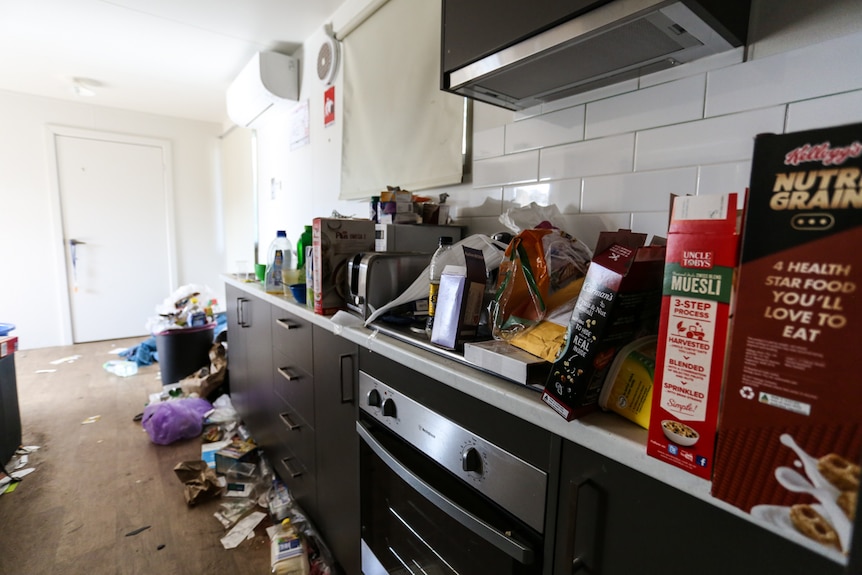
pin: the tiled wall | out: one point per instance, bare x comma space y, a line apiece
612, 157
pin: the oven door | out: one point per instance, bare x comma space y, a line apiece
417, 518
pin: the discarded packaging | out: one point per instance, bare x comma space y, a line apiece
201, 482
121, 368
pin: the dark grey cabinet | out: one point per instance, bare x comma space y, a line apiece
10, 416
291, 412
335, 387
249, 339
614, 520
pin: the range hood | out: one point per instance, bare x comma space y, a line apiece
615, 41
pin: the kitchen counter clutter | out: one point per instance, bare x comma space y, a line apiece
606, 434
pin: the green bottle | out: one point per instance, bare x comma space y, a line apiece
303, 242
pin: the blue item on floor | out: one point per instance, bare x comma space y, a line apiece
142, 354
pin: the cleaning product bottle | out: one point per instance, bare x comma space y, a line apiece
288, 556
279, 258
444, 244
303, 242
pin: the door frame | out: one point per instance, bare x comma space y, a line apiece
61, 260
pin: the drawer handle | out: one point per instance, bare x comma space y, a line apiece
288, 421
288, 375
292, 472
288, 324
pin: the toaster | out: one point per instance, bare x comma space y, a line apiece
376, 278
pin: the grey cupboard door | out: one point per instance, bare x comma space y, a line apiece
614, 520
335, 376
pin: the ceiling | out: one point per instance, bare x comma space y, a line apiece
167, 57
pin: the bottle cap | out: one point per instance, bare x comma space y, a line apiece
445, 240
281, 234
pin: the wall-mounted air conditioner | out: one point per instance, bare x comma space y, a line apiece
269, 78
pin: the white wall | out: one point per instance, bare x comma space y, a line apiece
612, 157
33, 285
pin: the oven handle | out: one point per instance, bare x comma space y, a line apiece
498, 539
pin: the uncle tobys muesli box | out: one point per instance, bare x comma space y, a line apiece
790, 430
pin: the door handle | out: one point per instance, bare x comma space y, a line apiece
290, 471
240, 312
582, 545
288, 421
288, 375
341, 361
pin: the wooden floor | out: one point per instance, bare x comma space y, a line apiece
94, 483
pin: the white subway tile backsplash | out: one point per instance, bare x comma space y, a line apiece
591, 96
637, 192
511, 169
651, 223
565, 194
710, 141
586, 227
560, 127
591, 158
724, 179
810, 72
699, 66
824, 112
669, 103
470, 203
488, 143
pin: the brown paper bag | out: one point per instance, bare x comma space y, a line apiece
201, 482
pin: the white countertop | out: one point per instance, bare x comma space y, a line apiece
606, 433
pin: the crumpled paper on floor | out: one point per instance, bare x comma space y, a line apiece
201, 482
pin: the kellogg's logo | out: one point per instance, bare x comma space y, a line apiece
823, 153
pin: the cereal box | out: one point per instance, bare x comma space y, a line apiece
790, 431
702, 254
618, 302
334, 241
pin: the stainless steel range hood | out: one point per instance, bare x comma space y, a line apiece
617, 41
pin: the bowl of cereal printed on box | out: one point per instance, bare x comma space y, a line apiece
679, 433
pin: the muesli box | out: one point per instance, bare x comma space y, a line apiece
702, 255
618, 303
790, 431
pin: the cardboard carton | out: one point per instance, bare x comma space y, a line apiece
619, 302
790, 413
334, 241
702, 254
459, 301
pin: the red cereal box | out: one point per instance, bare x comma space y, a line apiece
702, 254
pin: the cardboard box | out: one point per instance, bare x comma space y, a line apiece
619, 302
335, 240
508, 361
702, 254
792, 393
459, 301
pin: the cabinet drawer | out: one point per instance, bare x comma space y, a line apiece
294, 385
293, 455
292, 336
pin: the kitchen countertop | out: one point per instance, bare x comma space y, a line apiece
606, 433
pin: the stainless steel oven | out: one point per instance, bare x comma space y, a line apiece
439, 498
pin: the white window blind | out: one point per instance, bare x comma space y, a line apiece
400, 129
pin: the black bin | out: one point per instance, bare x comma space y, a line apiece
182, 352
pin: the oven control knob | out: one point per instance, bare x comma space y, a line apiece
471, 460
373, 398
388, 407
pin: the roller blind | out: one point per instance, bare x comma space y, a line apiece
400, 129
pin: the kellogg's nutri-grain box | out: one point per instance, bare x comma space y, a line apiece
702, 254
790, 431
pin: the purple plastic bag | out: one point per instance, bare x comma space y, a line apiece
176, 419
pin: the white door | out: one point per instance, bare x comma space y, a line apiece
114, 204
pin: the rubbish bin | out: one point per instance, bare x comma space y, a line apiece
184, 351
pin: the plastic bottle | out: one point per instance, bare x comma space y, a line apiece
444, 244
279, 258
288, 556
301, 244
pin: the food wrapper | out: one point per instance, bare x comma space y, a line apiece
538, 267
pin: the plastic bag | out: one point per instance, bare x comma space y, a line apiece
170, 421
538, 266
532, 216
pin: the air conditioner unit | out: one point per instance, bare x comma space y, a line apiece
267, 80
